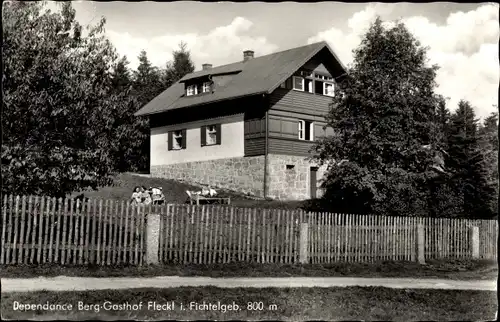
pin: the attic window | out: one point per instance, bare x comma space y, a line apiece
206, 87
298, 83
328, 89
191, 90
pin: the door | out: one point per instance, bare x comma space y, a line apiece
314, 181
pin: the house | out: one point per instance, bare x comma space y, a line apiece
247, 126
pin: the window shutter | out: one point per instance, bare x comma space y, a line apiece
218, 133
184, 138
301, 132
311, 131
170, 143
203, 135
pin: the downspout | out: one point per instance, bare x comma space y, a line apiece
266, 147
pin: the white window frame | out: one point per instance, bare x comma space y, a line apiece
302, 132
211, 131
176, 135
190, 90
325, 91
301, 81
310, 85
206, 87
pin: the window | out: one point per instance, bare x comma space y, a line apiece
309, 86
211, 135
305, 73
206, 87
191, 90
177, 140
328, 89
306, 130
298, 83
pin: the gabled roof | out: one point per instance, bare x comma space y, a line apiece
259, 75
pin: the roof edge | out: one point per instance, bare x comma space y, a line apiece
203, 103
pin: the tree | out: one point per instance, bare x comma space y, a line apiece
467, 164
488, 140
57, 108
130, 132
383, 116
181, 65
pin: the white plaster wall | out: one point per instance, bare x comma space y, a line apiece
232, 142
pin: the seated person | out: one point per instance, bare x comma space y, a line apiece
136, 196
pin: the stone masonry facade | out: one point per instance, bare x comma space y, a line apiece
246, 175
291, 183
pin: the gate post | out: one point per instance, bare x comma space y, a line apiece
475, 241
152, 238
420, 244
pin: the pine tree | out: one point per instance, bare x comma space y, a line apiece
488, 133
467, 164
383, 116
181, 65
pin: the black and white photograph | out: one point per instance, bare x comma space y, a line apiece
249, 161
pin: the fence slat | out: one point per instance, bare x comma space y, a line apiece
3, 254
29, 233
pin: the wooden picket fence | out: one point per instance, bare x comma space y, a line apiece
37, 230
219, 234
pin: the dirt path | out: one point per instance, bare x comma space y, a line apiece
64, 283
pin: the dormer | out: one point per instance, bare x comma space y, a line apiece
197, 87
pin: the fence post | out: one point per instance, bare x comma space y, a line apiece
420, 244
304, 243
152, 238
475, 241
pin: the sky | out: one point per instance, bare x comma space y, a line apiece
462, 38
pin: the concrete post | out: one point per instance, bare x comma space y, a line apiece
420, 244
304, 243
152, 238
475, 241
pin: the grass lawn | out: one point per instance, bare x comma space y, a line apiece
297, 304
175, 192
472, 270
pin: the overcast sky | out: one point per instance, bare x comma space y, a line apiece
463, 38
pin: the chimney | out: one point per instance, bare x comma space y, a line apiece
247, 55
206, 66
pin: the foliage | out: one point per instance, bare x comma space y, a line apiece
181, 65
57, 107
466, 163
383, 117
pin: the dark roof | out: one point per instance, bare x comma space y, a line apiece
258, 75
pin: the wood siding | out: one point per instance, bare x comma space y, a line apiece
289, 146
299, 102
255, 146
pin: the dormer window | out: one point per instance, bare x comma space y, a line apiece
191, 90
198, 89
328, 89
298, 83
206, 87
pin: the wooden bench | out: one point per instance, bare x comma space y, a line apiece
198, 199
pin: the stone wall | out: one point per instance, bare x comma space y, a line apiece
244, 174
291, 184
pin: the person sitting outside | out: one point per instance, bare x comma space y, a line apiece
136, 195
145, 196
